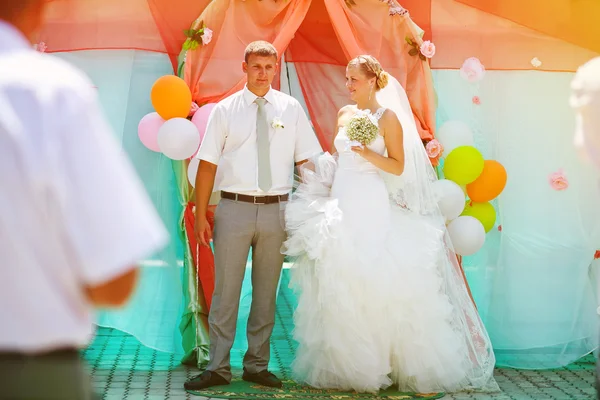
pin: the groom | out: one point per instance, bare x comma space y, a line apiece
254, 137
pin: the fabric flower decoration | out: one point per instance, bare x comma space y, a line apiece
395, 8
277, 123
597, 255
207, 36
472, 70
499, 228
427, 49
558, 180
476, 100
41, 47
193, 109
536, 62
434, 148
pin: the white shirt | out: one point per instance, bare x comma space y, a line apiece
585, 99
72, 211
230, 142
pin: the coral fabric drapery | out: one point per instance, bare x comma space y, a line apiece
503, 34
202, 256
151, 25
214, 71
365, 28
509, 35
575, 22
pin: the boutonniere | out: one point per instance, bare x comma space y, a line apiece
277, 123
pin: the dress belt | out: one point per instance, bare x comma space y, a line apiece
255, 199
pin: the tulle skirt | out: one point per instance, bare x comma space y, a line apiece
372, 306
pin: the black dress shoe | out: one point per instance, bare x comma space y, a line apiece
205, 380
264, 378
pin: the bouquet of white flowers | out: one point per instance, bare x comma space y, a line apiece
362, 128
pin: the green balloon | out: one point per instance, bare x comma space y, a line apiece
484, 212
463, 165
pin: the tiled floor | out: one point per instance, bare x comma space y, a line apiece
123, 369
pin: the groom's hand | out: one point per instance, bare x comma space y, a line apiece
202, 230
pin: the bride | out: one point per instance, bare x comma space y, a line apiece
381, 297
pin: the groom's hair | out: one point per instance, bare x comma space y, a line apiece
259, 48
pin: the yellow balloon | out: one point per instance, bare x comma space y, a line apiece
463, 165
484, 212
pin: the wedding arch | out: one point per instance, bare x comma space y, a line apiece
531, 281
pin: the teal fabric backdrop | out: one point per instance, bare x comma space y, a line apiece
534, 281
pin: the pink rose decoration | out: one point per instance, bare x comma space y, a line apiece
558, 180
207, 36
499, 228
472, 70
434, 148
428, 49
193, 109
476, 100
41, 47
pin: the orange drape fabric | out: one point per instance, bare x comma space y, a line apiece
576, 22
509, 34
214, 71
332, 33
368, 28
151, 25
202, 257
503, 34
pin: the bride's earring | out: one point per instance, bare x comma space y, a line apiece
370, 92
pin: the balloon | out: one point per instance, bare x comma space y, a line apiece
484, 212
467, 235
148, 130
193, 170
200, 118
489, 184
178, 139
463, 165
171, 97
451, 198
453, 134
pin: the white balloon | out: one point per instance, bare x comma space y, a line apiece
178, 139
451, 198
467, 235
453, 134
193, 170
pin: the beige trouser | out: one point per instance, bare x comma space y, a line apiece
240, 226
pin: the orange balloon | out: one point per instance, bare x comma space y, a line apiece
171, 97
489, 184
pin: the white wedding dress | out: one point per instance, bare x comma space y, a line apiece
379, 303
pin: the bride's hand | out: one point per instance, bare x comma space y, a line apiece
363, 151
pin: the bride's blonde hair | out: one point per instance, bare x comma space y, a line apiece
371, 68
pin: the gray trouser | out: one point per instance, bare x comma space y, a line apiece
240, 226
59, 375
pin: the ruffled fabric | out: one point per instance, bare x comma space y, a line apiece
372, 308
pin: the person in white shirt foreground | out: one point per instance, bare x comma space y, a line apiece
255, 137
74, 217
585, 100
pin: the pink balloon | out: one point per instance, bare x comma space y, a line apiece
148, 130
200, 118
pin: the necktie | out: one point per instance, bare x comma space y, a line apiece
264, 152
